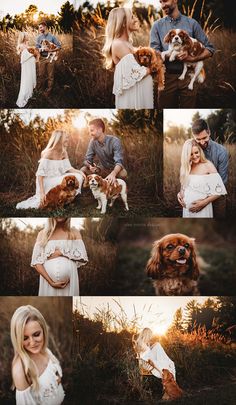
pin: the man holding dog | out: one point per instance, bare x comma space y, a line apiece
176, 93
218, 155
108, 151
46, 66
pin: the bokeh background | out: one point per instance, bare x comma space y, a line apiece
25, 133
94, 83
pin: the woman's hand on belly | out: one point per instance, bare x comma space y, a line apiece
59, 284
198, 205
55, 254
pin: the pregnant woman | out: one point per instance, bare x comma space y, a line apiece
28, 70
58, 253
133, 85
152, 355
36, 372
54, 165
201, 184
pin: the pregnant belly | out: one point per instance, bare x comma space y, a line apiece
191, 195
59, 268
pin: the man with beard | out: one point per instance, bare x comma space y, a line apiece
218, 155
46, 66
176, 93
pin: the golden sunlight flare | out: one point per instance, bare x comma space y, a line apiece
35, 17
79, 122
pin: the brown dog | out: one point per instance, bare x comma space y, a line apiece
34, 51
148, 57
173, 266
62, 194
50, 48
171, 388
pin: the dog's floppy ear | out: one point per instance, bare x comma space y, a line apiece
167, 38
63, 184
76, 183
153, 268
86, 181
194, 268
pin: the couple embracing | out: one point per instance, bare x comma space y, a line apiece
45, 53
133, 83
203, 175
54, 164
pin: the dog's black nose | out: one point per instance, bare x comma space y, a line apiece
182, 250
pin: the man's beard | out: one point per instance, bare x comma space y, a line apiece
169, 10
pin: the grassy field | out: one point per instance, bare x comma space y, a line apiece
107, 369
16, 252
20, 152
63, 94
94, 83
171, 183
60, 341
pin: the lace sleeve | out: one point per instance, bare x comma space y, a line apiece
51, 168
75, 250
38, 256
127, 73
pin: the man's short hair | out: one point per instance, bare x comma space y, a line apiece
98, 122
43, 23
199, 125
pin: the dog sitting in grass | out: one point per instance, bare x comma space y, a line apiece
62, 194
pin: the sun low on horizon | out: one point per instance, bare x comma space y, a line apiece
13, 7
178, 117
155, 313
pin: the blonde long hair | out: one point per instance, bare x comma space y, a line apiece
143, 340
20, 318
117, 23
55, 139
50, 227
185, 167
22, 38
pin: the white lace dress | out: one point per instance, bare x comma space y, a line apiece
158, 356
62, 267
52, 171
50, 392
28, 78
131, 88
201, 186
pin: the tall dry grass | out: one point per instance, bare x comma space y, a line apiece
94, 83
19, 278
171, 182
21, 149
58, 315
102, 342
63, 94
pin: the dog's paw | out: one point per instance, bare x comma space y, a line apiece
190, 86
181, 77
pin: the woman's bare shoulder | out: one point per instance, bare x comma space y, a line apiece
120, 48
76, 233
18, 375
48, 154
210, 167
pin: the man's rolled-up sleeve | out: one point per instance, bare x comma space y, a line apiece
56, 42
118, 153
223, 166
200, 35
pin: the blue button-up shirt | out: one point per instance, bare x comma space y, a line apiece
219, 156
161, 27
109, 153
49, 37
